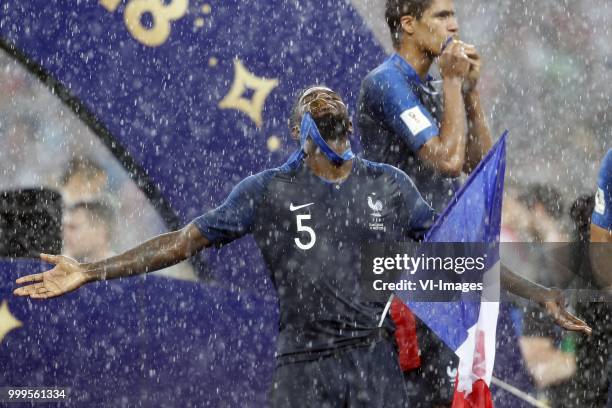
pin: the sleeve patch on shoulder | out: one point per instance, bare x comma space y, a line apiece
600, 202
415, 120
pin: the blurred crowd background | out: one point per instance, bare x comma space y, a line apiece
546, 79
43, 143
547, 67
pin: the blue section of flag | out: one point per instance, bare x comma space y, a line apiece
474, 215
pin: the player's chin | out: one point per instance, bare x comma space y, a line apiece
435, 50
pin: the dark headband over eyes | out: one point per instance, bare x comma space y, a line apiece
309, 129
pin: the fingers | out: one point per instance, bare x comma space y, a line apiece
465, 45
454, 47
36, 291
460, 60
450, 47
465, 50
459, 51
474, 58
37, 277
37, 288
576, 327
581, 324
573, 323
52, 259
21, 291
472, 54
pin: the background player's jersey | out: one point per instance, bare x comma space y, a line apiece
602, 214
310, 231
398, 114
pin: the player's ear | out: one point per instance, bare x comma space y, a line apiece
350, 127
407, 23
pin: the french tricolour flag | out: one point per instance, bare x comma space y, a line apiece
468, 327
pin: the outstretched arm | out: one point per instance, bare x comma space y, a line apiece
550, 299
157, 253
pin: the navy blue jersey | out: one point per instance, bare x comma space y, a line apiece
602, 214
397, 114
309, 232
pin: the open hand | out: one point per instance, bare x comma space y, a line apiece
66, 276
555, 306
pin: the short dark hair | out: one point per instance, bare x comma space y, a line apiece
82, 164
396, 9
580, 213
548, 196
327, 129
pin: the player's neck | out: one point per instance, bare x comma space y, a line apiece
320, 165
419, 60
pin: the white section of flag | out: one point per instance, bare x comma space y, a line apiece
477, 352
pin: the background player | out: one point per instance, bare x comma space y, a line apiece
595, 353
601, 243
88, 228
434, 137
403, 119
601, 225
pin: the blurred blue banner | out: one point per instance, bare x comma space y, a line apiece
138, 342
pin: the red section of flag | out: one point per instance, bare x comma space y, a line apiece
480, 397
479, 366
405, 335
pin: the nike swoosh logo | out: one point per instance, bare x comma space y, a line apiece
297, 207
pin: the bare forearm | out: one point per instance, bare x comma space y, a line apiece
522, 287
549, 299
157, 253
453, 129
479, 140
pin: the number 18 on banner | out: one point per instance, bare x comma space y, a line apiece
161, 12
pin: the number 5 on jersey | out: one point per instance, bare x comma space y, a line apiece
304, 228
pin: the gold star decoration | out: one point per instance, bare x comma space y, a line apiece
8, 322
243, 81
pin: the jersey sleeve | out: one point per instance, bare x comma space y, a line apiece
403, 112
236, 216
416, 214
602, 213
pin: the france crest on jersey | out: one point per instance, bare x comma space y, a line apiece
602, 214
